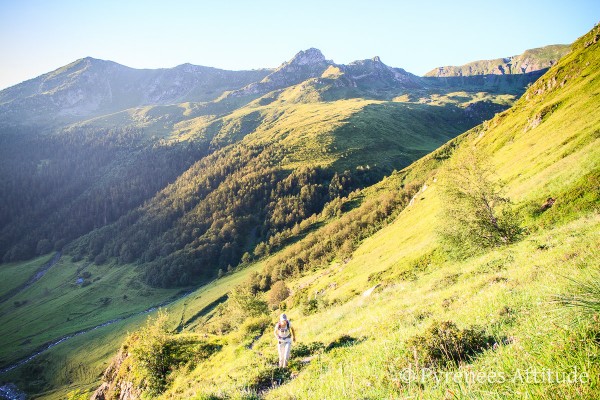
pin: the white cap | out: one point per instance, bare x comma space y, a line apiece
283, 317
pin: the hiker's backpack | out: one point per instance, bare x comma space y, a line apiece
283, 328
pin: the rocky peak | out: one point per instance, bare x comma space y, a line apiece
311, 56
373, 70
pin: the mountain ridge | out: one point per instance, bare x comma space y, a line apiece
91, 87
529, 61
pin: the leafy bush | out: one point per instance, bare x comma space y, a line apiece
243, 303
342, 341
444, 343
254, 326
278, 293
155, 353
476, 214
310, 306
150, 352
305, 350
266, 378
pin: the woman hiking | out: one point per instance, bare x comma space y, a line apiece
284, 333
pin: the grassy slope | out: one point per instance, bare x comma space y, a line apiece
56, 305
501, 278
79, 363
507, 290
13, 275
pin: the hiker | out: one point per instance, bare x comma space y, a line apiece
284, 333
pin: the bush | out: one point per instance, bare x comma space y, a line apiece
342, 341
254, 326
243, 303
305, 350
310, 306
278, 293
151, 353
476, 214
445, 344
267, 378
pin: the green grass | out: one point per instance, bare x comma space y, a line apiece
508, 290
56, 305
78, 363
13, 275
372, 307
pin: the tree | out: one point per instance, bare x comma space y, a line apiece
43, 246
477, 215
152, 354
278, 293
243, 303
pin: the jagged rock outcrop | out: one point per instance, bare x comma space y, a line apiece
530, 61
113, 386
374, 73
305, 65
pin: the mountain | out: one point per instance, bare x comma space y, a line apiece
304, 65
100, 177
369, 306
321, 177
532, 60
90, 87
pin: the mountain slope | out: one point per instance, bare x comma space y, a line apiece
368, 274
264, 181
97, 171
357, 342
90, 87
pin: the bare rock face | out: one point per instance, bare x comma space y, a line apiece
530, 61
114, 388
311, 56
304, 65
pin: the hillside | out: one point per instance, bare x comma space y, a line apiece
94, 176
358, 312
90, 87
372, 286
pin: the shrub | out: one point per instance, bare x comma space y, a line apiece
254, 326
476, 214
267, 378
305, 350
342, 341
278, 293
151, 353
311, 306
444, 343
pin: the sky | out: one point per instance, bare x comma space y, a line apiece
38, 36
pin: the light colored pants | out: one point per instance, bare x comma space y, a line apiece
284, 347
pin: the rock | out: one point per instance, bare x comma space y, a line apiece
370, 291
548, 203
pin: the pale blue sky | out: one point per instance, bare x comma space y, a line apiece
37, 36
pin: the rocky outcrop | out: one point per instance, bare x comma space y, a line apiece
530, 61
305, 65
373, 72
114, 386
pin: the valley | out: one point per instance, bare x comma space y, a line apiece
197, 190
